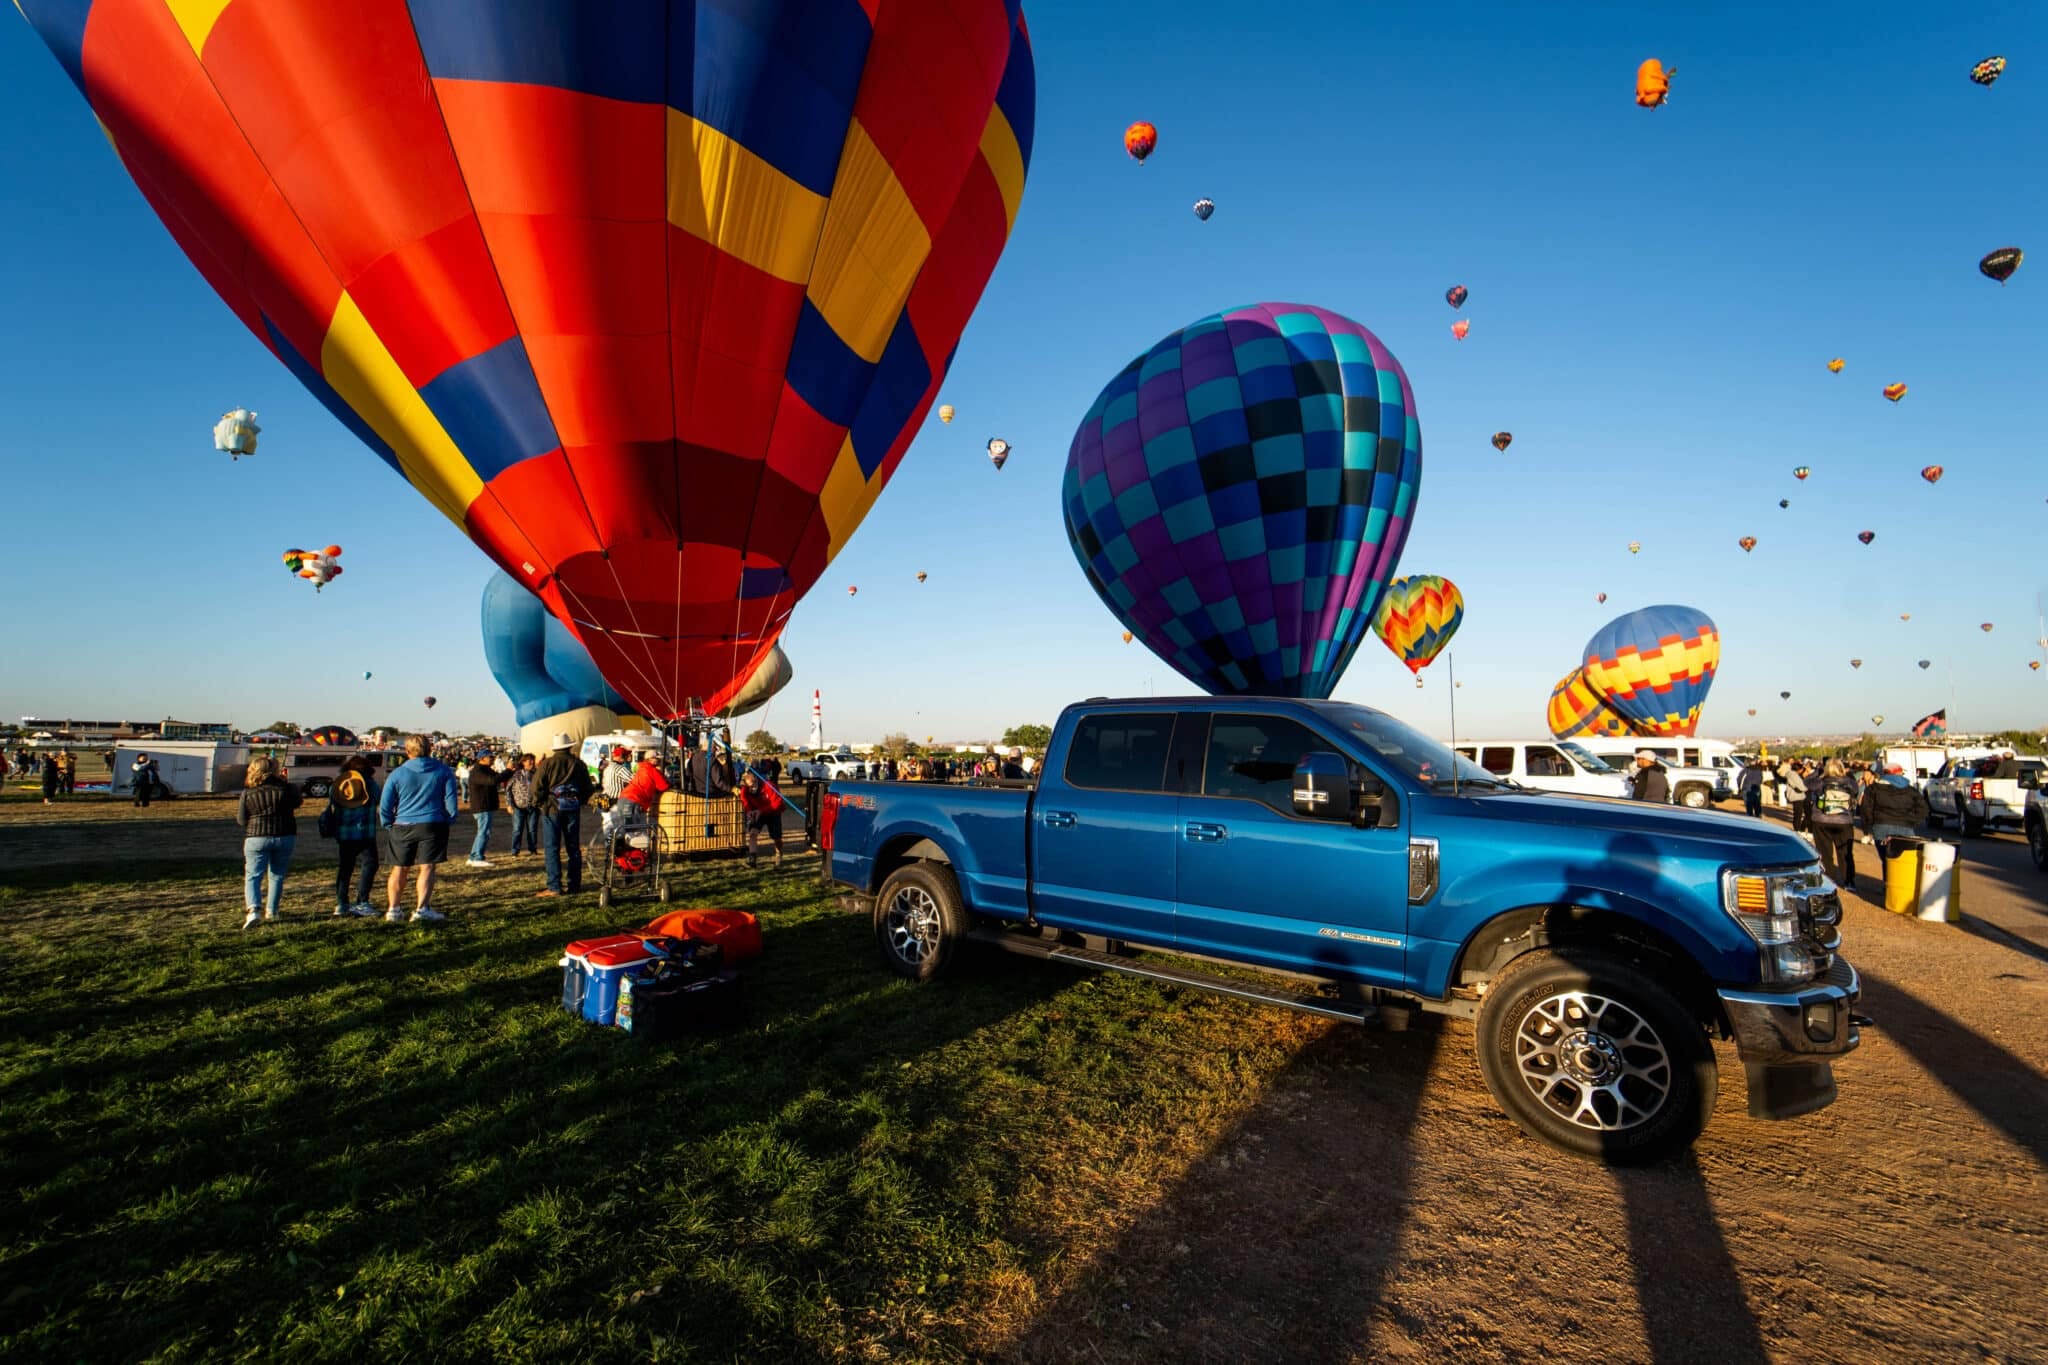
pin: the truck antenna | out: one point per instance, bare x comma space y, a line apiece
1451, 663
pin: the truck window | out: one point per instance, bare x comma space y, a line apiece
1467, 751
1692, 758
1120, 751
1544, 761
1253, 757
1498, 759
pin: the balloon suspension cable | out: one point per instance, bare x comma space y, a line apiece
1451, 664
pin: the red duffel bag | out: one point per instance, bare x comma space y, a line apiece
736, 932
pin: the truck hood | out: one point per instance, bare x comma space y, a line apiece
1600, 819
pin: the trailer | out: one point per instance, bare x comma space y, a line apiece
187, 766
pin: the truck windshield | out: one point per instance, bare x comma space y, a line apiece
1587, 759
1409, 751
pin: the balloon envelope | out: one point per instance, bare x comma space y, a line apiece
1997, 265
1239, 495
1203, 208
1655, 667
236, 433
1503, 439
647, 299
1835, 365
1417, 618
1456, 295
1140, 138
1575, 709
770, 676
542, 667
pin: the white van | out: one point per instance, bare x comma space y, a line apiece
1701, 771
1552, 765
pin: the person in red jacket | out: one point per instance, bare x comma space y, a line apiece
640, 795
764, 814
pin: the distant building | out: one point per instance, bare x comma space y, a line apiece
195, 729
73, 731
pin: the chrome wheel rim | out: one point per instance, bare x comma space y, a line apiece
1593, 1061
911, 923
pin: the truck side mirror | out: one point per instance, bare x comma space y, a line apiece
1322, 787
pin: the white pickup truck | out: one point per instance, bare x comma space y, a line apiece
827, 765
1975, 794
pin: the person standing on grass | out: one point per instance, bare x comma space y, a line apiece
562, 786
1834, 799
67, 772
482, 799
353, 803
764, 814
52, 778
416, 809
518, 787
269, 834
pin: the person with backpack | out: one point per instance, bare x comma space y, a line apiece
482, 799
415, 811
1892, 808
351, 821
519, 790
1834, 801
563, 787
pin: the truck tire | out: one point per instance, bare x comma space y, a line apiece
1970, 825
919, 920
1693, 796
1591, 1054
2037, 844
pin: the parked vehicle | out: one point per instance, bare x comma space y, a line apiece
1547, 765
314, 767
828, 765
1695, 783
2035, 822
1982, 793
1600, 946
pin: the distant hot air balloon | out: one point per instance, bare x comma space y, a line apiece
1895, 391
1653, 83
1986, 627
1503, 439
319, 567
2034, 664
2000, 264
1988, 70
1655, 667
1747, 543
1835, 365
236, 432
920, 575
946, 413
852, 590
1926, 663
1575, 709
334, 736
1752, 710
1877, 720
1203, 208
1635, 547
1600, 597
1905, 616
1866, 536
1932, 473
998, 451
366, 675
1128, 637
1456, 295
431, 701
1417, 617
1222, 584
1855, 663
1139, 140
1784, 696
1801, 472
1460, 327
1784, 502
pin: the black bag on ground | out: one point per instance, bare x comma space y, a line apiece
686, 990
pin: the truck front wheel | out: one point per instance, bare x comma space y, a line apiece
919, 920
2037, 844
1592, 1054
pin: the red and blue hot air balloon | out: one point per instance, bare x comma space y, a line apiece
647, 298
1654, 667
1239, 495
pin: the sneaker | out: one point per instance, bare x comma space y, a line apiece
255, 918
426, 914
545, 894
363, 910
478, 862
270, 916
341, 910
394, 916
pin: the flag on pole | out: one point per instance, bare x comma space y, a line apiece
1934, 725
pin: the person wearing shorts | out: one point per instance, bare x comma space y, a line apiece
764, 814
418, 805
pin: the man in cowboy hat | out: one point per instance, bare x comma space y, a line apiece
561, 788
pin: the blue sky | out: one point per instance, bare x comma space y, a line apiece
1654, 295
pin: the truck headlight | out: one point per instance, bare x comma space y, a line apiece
1762, 903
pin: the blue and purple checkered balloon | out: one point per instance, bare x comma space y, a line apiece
1240, 493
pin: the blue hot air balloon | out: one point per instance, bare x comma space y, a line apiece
1654, 667
1239, 495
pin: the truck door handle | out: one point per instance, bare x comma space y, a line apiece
1059, 819
1205, 834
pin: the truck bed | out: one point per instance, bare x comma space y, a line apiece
985, 826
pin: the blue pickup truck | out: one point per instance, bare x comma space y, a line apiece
1366, 871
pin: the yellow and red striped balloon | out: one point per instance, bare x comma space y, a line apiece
1575, 709
1418, 616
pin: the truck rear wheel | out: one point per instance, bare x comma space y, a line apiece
1592, 1054
1693, 796
919, 920
2037, 844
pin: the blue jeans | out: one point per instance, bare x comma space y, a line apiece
560, 829
526, 829
483, 833
1753, 801
268, 857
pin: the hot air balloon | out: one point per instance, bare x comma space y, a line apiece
366, 675
1752, 710
1417, 617
1866, 536
1139, 140
1835, 365
1784, 502
1877, 720
1932, 473
1784, 696
1203, 208
1747, 543
633, 313
1456, 295
1986, 627
1600, 597
2000, 264
998, 451
1855, 663
1635, 547
1460, 328
1655, 667
319, 567
1905, 616
1248, 573
236, 432
1895, 392
331, 736
2034, 664
920, 575
1576, 710
1988, 70
431, 701
852, 590
1800, 473
769, 677
1503, 439
1926, 663
946, 413
1653, 83
1128, 637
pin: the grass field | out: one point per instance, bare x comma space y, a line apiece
346, 1139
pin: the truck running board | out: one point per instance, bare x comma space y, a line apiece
1329, 1007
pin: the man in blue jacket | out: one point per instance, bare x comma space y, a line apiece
418, 805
